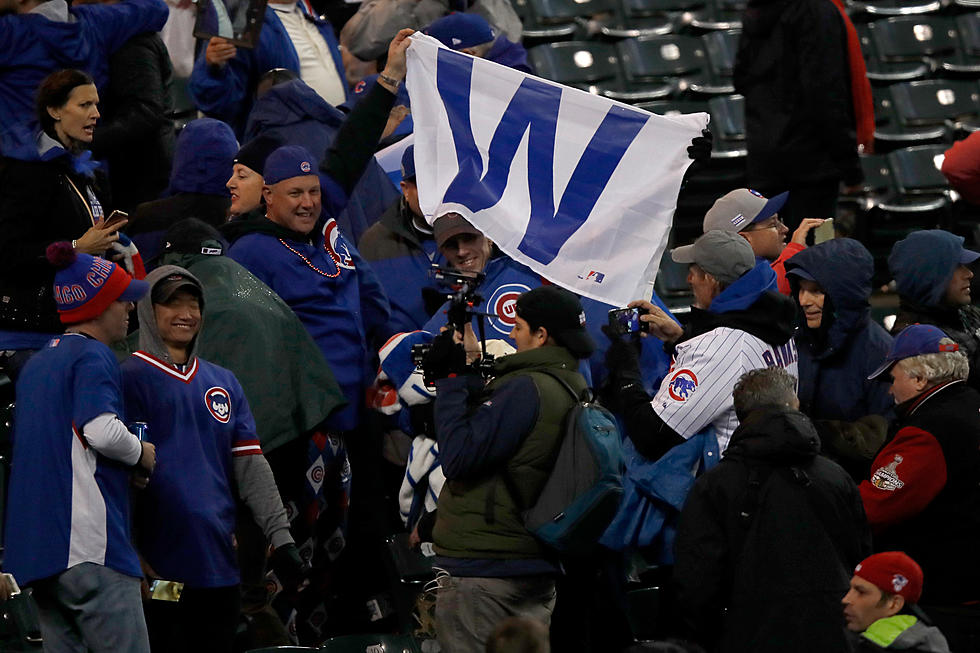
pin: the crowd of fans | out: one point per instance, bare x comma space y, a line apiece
796, 476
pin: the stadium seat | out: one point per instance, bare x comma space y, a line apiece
371, 643
918, 170
283, 649
891, 131
534, 31
632, 18
894, 7
583, 64
955, 103
718, 15
933, 39
409, 571
720, 47
728, 126
655, 65
884, 71
644, 605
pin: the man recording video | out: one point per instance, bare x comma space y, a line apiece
510, 426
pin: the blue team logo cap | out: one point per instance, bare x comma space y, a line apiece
915, 340
287, 162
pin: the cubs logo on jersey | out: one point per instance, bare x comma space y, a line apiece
218, 402
502, 306
682, 384
336, 245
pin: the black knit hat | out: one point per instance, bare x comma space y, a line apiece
560, 312
254, 153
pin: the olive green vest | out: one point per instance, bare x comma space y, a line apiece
461, 529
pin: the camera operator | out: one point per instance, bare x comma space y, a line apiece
494, 436
738, 322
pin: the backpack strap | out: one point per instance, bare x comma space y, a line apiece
508, 480
586, 394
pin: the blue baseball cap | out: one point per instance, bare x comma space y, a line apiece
915, 340
288, 161
408, 163
458, 31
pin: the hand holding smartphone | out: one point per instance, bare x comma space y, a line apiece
627, 320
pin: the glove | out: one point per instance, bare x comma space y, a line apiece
700, 147
290, 568
622, 360
445, 357
124, 252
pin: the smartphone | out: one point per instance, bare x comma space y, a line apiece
627, 319
824, 232
115, 218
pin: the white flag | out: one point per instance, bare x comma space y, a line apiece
579, 188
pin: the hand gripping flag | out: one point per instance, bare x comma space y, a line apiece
579, 188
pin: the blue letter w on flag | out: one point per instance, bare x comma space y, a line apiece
533, 109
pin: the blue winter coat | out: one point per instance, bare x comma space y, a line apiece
203, 158
32, 46
836, 359
298, 116
226, 93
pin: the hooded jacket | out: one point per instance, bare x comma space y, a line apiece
296, 115
901, 632
202, 165
226, 92
198, 418
53, 37
792, 68
253, 333
770, 533
923, 264
837, 358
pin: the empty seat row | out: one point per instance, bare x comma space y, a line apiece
913, 47
925, 111
555, 20
643, 68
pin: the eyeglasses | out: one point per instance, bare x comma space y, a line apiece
771, 223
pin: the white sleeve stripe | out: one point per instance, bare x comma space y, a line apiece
250, 447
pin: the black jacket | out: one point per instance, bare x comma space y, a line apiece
792, 68
136, 134
771, 534
39, 205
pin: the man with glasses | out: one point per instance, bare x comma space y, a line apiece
756, 218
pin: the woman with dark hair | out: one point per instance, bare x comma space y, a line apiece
56, 196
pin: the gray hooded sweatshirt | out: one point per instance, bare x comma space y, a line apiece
252, 474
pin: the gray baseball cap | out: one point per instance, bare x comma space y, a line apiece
740, 208
724, 255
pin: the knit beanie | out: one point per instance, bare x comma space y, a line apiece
85, 286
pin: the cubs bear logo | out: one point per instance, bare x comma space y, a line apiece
218, 402
334, 243
502, 306
681, 385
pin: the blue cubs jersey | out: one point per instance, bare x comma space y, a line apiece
67, 504
336, 296
199, 420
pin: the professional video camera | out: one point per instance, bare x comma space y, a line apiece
459, 287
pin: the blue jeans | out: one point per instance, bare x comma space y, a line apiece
91, 607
